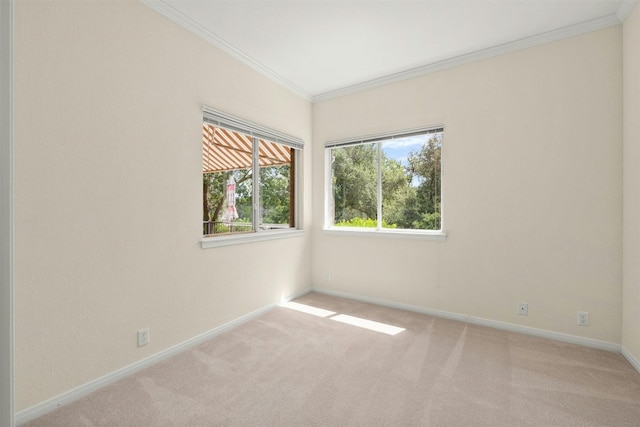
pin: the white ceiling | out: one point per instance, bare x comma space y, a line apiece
321, 48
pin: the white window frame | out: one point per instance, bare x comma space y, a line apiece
257, 132
329, 228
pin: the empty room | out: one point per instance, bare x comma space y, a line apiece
291, 213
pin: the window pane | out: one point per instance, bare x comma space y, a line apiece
277, 168
411, 180
228, 202
354, 177
249, 184
227, 182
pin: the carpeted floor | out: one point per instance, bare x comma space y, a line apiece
291, 368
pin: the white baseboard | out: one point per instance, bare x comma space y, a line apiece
92, 386
47, 406
632, 360
557, 336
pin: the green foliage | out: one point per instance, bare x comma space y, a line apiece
429, 221
354, 182
221, 228
410, 193
274, 196
395, 191
426, 164
214, 194
364, 223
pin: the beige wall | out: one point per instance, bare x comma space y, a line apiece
107, 131
108, 191
532, 189
631, 132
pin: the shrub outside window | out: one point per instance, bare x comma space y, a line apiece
248, 177
389, 182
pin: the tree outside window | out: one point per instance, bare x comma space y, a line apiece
248, 183
388, 183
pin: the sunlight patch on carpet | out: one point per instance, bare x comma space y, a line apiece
320, 312
368, 324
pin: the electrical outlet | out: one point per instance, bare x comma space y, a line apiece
523, 309
583, 318
143, 337
328, 277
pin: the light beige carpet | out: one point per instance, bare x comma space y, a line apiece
290, 368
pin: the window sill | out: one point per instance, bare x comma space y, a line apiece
440, 236
219, 241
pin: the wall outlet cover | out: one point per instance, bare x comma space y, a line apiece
523, 309
583, 318
143, 337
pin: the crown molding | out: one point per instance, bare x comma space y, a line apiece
550, 36
189, 24
626, 6
184, 21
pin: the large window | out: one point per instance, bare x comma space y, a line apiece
386, 183
248, 177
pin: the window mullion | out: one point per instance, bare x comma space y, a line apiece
255, 171
379, 197
329, 198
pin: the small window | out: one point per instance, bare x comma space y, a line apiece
248, 177
386, 183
